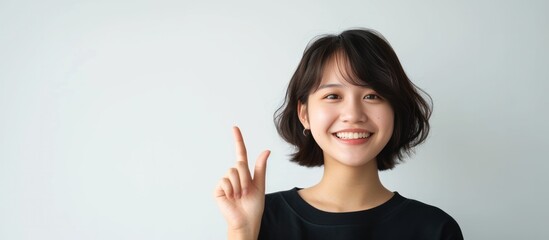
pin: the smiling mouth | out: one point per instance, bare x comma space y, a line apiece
352, 135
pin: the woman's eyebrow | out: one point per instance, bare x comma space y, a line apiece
329, 85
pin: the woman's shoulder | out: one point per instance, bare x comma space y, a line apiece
414, 207
429, 218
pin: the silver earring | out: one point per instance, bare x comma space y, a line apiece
305, 132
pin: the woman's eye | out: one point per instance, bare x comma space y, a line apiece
332, 96
371, 97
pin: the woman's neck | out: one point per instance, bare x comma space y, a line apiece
347, 188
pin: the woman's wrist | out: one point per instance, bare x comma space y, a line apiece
242, 234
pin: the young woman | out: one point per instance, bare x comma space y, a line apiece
350, 108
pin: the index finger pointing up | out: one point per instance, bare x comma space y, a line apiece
241, 154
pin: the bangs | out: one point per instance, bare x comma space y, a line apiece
347, 69
339, 59
360, 61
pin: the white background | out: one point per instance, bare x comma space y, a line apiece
115, 115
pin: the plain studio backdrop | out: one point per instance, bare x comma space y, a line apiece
115, 116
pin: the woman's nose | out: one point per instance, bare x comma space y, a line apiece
353, 111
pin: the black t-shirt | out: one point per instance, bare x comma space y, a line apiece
287, 216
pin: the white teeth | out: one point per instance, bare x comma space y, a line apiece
352, 135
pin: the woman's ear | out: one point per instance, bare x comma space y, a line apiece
302, 114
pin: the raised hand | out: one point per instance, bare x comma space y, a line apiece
240, 197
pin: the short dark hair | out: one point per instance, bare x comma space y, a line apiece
371, 62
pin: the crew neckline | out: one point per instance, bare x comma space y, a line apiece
314, 215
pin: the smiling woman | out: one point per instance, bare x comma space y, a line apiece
350, 108
338, 110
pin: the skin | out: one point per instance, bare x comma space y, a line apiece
350, 181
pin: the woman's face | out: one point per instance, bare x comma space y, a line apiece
350, 123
